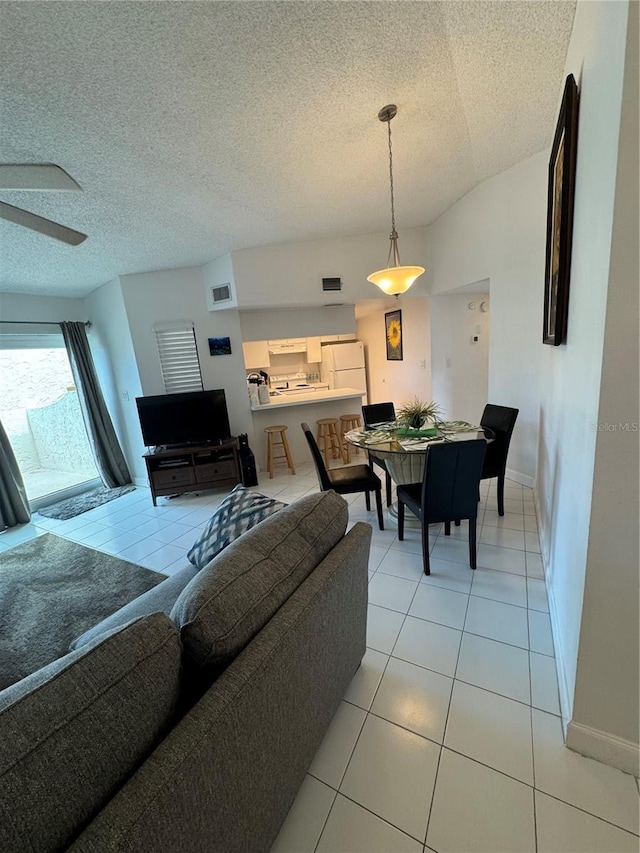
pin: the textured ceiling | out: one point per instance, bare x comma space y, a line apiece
199, 128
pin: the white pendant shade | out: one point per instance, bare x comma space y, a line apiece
395, 280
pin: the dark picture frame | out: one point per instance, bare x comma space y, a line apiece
393, 335
219, 346
560, 195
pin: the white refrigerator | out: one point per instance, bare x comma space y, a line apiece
343, 366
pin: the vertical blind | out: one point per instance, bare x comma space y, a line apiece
178, 357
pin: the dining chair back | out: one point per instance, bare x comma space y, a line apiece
448, 492
347, 480
500, 420
378, 413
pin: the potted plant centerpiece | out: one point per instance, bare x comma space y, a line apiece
417, 414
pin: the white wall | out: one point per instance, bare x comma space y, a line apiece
179, 294
589, 521
497, 232
46, 309
460, 368
114, 357
272, 324
398, 381
571, 373
292, 273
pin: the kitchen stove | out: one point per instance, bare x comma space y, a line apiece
293, 383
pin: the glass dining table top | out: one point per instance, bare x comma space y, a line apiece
403, 450
390, 437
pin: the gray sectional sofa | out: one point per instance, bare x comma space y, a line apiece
193, 731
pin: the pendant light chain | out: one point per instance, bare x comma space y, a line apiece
393, 211
394, 254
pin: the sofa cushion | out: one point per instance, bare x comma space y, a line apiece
232, 598
160, 599
238, 512
75, 730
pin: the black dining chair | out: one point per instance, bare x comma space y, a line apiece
448, 492
378, 413
501, 421
348, 479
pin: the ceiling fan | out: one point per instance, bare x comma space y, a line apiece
38, 178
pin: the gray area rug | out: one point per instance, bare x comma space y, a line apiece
84, 502
51, 591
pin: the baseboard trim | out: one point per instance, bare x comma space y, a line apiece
605, 747
565, 693
523, 479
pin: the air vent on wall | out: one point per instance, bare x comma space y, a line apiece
331, 285
220, 296
222, 293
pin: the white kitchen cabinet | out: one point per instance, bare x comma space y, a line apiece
256, 354
314, 350
332, 339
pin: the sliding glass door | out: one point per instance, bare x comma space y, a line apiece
40, 412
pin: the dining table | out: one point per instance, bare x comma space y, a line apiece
403, 449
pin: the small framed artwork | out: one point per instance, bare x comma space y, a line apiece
393, 332
219, 346
560, 193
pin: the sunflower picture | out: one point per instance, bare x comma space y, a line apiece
393, 328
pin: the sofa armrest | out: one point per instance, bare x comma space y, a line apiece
160, 599
225, 777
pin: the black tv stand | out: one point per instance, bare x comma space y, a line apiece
192, 468
188, 445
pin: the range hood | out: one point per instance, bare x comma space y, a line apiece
287, 345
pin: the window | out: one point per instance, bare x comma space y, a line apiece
178, 357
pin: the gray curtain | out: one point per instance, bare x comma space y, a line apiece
104, 443
14, 506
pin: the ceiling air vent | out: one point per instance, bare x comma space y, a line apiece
222, 293
331, 285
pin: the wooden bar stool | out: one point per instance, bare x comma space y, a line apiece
277, 437
348, 422
328, 439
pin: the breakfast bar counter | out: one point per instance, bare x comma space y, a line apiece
307, 397
291, 410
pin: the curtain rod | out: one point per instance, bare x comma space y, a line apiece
35, 322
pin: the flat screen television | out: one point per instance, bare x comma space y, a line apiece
192, 417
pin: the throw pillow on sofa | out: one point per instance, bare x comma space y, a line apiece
74, 731
230, 600
238, 512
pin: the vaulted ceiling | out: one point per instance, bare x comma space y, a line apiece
197, 128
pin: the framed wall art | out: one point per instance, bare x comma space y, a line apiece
560, 193
219, 346
393, 333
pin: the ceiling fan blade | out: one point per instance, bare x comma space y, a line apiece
34, 176
38, 223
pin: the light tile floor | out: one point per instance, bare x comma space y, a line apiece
449, 737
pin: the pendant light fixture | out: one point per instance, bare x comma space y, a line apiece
394, 279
